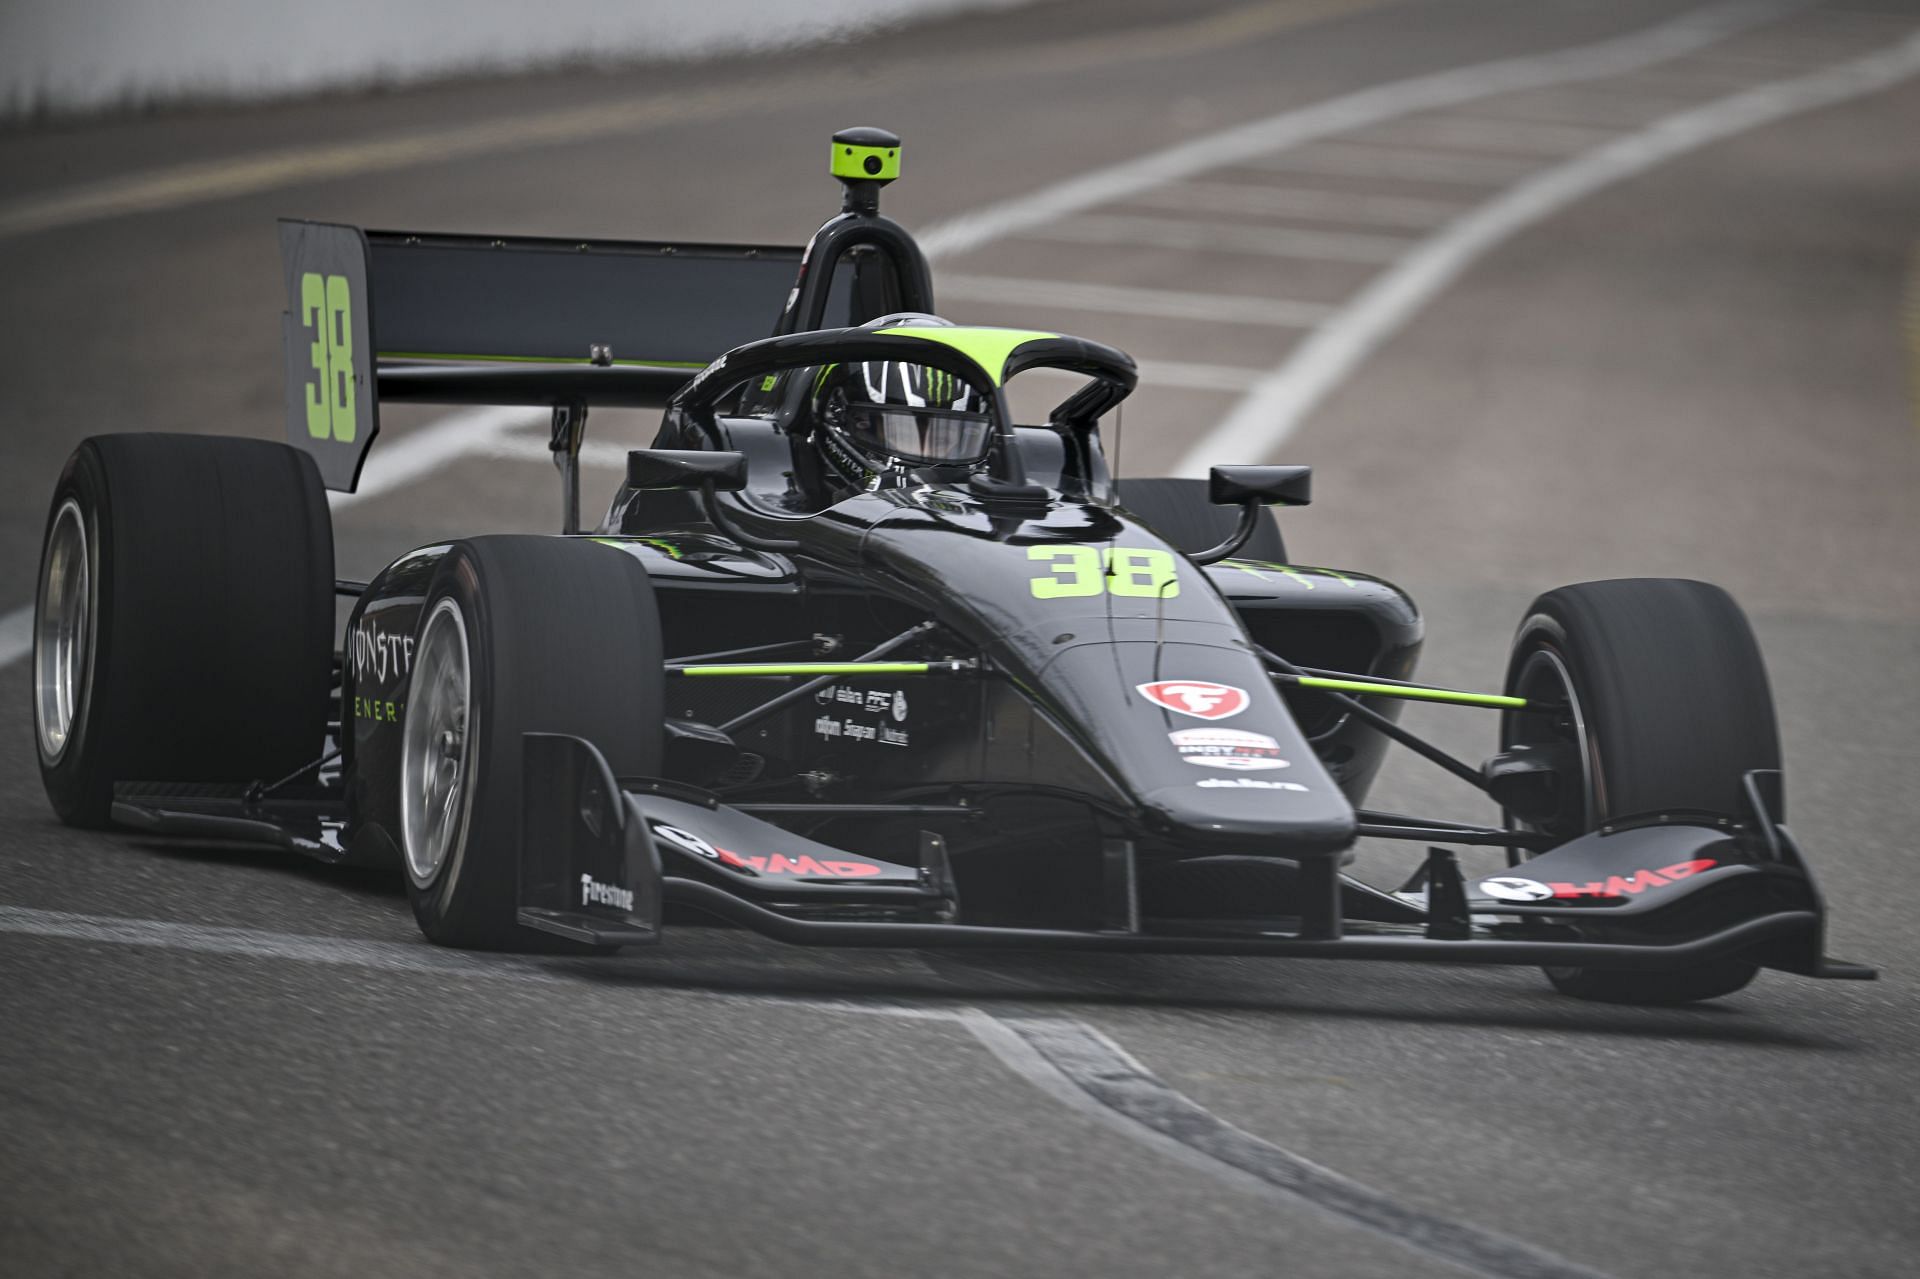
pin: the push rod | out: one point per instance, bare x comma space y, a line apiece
1426, 750
1401, 689
807, 689
756, 650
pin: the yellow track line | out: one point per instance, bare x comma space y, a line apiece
199, 183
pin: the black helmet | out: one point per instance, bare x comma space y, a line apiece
895, 411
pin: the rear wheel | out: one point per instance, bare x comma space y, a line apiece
1178, 510
519, 634
184, 619
1667, 709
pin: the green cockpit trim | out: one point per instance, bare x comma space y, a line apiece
865, 164
989, 348
534, 359
804, 668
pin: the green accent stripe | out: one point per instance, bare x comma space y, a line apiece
1412, 693
534, 359
804, 668
989, 348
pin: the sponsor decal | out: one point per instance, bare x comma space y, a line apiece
1514, 888
780, 864
1227, 748
379, 653
595, 893
687, 840
1249, 783
1200, 698
769, 864
881, 702
379, 710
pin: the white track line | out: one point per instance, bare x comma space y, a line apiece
528, 448
1113, 299
1173, 374
16, 635
426, 449
1403, 213
1672, 39
1222, 237
1273, 411
1354, 159
1480, 133
1067, 1060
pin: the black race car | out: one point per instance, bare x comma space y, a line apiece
856, 660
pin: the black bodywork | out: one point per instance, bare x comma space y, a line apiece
1023, 788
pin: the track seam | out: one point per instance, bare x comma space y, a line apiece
1068, 1060
1083, 1068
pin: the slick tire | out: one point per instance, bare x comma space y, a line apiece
1670, 709
1178, 510
184, 618
518, 634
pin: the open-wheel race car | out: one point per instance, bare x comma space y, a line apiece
854, 659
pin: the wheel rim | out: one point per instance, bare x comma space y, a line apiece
434, 751
1543, 678
63, 633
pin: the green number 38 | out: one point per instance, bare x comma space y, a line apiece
1092, 570
326, 307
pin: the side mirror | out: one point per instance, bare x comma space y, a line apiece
1266, 485
1250, 488
684, 469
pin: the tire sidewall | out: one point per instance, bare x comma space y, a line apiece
80, 783
1546, 630
438, 903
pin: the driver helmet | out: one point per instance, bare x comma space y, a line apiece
894, 413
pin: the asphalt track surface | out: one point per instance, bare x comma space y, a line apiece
220, 1063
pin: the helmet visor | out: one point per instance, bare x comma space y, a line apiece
933, 437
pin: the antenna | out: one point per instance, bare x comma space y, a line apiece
1119, 420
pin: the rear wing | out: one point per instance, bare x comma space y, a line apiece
473, 319
479, 319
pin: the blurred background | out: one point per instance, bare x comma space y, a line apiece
1545, 290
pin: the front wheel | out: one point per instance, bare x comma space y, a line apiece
1667, 709
518, 634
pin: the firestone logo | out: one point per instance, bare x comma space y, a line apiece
1202, 699
595, 893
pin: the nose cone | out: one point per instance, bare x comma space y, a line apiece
1199, 739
